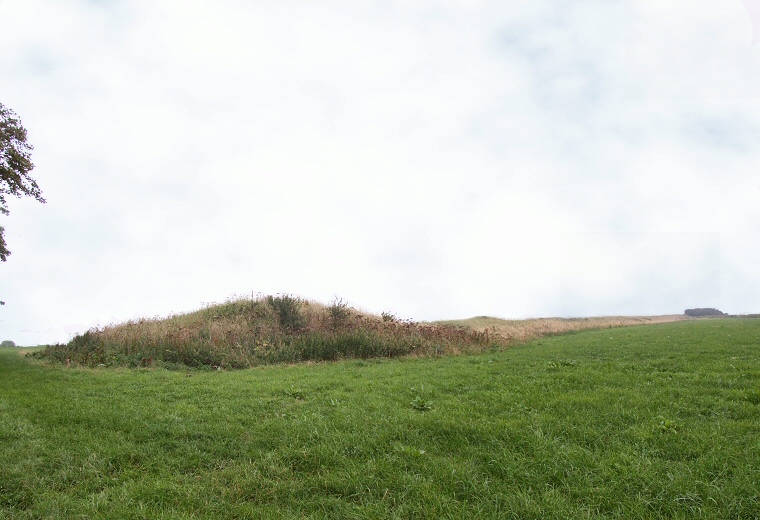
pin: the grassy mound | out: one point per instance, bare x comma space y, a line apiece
271, 329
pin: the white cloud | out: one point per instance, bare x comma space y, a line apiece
683, 49
422, 158
640, 273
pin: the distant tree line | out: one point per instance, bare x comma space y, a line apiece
703, 312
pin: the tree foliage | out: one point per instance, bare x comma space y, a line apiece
15, 165
707, 311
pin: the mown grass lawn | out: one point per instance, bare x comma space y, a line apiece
657, 421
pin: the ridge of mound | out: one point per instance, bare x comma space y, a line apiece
269, 329
532, 328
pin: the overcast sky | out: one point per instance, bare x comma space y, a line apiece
433, 159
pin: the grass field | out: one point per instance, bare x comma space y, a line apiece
654, 421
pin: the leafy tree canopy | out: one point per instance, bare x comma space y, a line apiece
15, 165
706, 311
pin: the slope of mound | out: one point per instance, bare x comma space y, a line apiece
526, 330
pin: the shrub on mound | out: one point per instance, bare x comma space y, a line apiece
272, 329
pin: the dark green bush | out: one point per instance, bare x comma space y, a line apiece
339, 314
703, 312
288, 311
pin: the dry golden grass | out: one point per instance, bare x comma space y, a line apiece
519, 331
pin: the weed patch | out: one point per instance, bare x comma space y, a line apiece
421, 405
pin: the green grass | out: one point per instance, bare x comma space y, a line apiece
656, 421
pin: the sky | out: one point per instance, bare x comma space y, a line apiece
432, 159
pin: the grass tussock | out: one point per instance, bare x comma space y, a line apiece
269, 329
